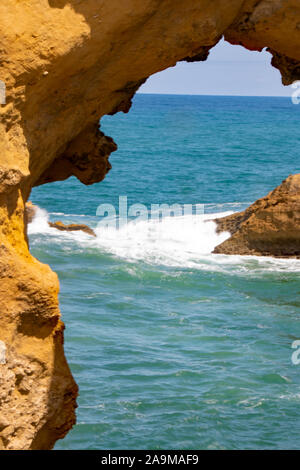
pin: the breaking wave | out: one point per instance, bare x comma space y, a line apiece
185, 241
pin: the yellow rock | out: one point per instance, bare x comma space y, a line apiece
66, 63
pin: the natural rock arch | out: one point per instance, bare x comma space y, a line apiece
65, 64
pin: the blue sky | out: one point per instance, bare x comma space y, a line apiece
229, 70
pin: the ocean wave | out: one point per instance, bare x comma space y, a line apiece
68, 215
39, 223
172, 241
224, 204
180, 242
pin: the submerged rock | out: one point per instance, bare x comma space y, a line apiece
269, 227
72, 227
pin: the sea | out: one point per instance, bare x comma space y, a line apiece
174, 347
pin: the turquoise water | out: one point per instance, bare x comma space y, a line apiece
173, 347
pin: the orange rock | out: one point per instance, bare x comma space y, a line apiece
30, 211
65, 64
72, 227
269, 227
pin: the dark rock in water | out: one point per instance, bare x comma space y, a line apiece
72, 227
30, 211
269, 227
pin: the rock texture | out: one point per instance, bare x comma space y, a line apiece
269, 227
72, 227
30, 213
65, 64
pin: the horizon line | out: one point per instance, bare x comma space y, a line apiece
206, 94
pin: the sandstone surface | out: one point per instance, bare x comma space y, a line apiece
269, 227
72, 227
65, 64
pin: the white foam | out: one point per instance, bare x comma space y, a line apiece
175, 241
68, 215
39, 223
186, 242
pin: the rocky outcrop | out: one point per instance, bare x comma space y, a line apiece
31, 211
72, 227
65, 64
86, 157
269, 227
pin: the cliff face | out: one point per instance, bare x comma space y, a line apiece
65, 64
269, 227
